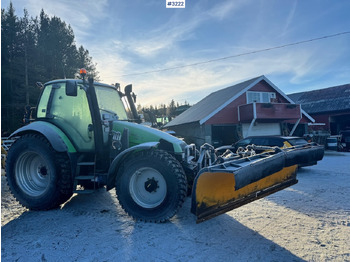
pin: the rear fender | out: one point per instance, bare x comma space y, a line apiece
118, 160
59, 141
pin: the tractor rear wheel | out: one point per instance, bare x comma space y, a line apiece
38, 176
151, 186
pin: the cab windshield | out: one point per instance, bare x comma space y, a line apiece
110, 101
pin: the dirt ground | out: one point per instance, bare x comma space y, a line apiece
309, 221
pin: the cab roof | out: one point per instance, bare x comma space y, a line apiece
79, 81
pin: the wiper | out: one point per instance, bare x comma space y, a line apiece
108, 111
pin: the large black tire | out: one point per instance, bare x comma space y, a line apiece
151, 186
38, 176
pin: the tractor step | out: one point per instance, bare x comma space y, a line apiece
84, 177
91, 178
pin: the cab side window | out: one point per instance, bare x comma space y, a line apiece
260, 141
44, 99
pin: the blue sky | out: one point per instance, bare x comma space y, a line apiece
137, 36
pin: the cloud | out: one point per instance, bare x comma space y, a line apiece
224, 9
110, 63
191, 84
165, 37
80, 15
177, 29
290, 17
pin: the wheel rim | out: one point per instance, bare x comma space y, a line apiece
32, 173
147, 187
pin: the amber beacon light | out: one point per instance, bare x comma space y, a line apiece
82, 72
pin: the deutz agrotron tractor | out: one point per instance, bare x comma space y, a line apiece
83, 139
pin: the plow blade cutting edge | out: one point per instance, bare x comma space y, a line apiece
220, 188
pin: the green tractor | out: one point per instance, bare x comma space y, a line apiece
84, 138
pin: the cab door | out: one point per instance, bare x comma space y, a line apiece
70, 113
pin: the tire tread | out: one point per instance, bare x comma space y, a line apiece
62, 165
180, 178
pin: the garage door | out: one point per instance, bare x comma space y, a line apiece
262, 129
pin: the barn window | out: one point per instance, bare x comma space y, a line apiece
260, 97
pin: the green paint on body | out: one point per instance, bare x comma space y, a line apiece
66, 140
139, 134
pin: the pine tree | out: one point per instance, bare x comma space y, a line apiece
9, 67
34, 49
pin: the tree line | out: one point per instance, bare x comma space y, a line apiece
34, 49
160, 115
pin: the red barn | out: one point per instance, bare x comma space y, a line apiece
329, 106
253, 107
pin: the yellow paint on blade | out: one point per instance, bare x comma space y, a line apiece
216, 188
213, 188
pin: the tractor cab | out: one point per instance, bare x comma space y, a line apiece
82, 113
68, 109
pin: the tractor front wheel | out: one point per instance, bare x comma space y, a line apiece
151, 186
38, 176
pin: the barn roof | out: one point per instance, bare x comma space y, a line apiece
330, 99
216, 101
210, 103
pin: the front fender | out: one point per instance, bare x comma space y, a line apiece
59, 141
118, 160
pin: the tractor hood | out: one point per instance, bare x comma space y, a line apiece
139, 134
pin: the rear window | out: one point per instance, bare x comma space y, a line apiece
297, 141
275, 141
244, 142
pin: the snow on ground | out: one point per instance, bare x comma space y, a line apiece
309, 221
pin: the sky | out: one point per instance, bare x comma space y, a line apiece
160, 51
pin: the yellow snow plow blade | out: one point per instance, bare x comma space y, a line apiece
215, 192
226, 186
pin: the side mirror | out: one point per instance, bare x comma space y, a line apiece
71, 88
128, 89
40, 85
128, 92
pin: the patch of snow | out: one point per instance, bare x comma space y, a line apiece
308, 221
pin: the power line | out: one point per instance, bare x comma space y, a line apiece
238, 55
